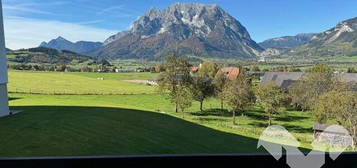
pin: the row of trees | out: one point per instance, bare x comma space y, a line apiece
319, 90
237, 94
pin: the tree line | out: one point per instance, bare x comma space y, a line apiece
320, 91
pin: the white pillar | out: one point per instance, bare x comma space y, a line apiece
4, 105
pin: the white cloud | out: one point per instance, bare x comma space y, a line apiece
25, 33
18, 8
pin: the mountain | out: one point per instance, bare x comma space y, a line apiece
340, 40
82, 47
42, 55
287, 41
186, 28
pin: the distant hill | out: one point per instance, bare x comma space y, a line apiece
82, 47
42, 55
338, 41
187, 28
287, 41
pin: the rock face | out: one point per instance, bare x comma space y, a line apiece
187, 28
273, 52
338, 41
82, 47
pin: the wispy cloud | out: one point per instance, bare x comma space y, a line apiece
25, 9
89, 22
110, 9
119, 11
25, 33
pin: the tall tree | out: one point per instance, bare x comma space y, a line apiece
220, 82
339, 106
315, 82
175, 77
271, 98
208, 69
202, 88
239, 95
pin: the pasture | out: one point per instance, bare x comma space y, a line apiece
76, 83
87, 125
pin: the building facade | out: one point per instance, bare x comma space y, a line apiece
4, 105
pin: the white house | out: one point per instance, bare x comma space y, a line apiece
4, 105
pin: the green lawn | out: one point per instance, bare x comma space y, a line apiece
79, 128
68, 125
131, 124
76, 83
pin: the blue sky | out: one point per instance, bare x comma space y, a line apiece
29, 22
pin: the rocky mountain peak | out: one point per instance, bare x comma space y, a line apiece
192, 28
199, 19
61, 38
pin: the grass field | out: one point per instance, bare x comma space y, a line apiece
77, 83
131, 124
68, 125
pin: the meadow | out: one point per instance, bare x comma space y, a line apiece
77, 83
139, 123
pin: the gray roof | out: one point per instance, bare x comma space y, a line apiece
282, 79
286, 79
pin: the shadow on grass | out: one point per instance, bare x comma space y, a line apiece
93, 131
13, 98
261, 116
211, 119
298, 129
259, 124
290, 118
291, 128
213, 112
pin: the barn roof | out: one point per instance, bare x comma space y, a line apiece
286, 79
282, 79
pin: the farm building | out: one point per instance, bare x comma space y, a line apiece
285, 79
282, 79
4, 107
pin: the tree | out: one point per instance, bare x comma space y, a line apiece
175, 78
339, 106
208, 69
315, 82
351, 70
271, 98
183, 98
220, 82
239, 95
61, 68
255, 68
202, 88
159, 68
